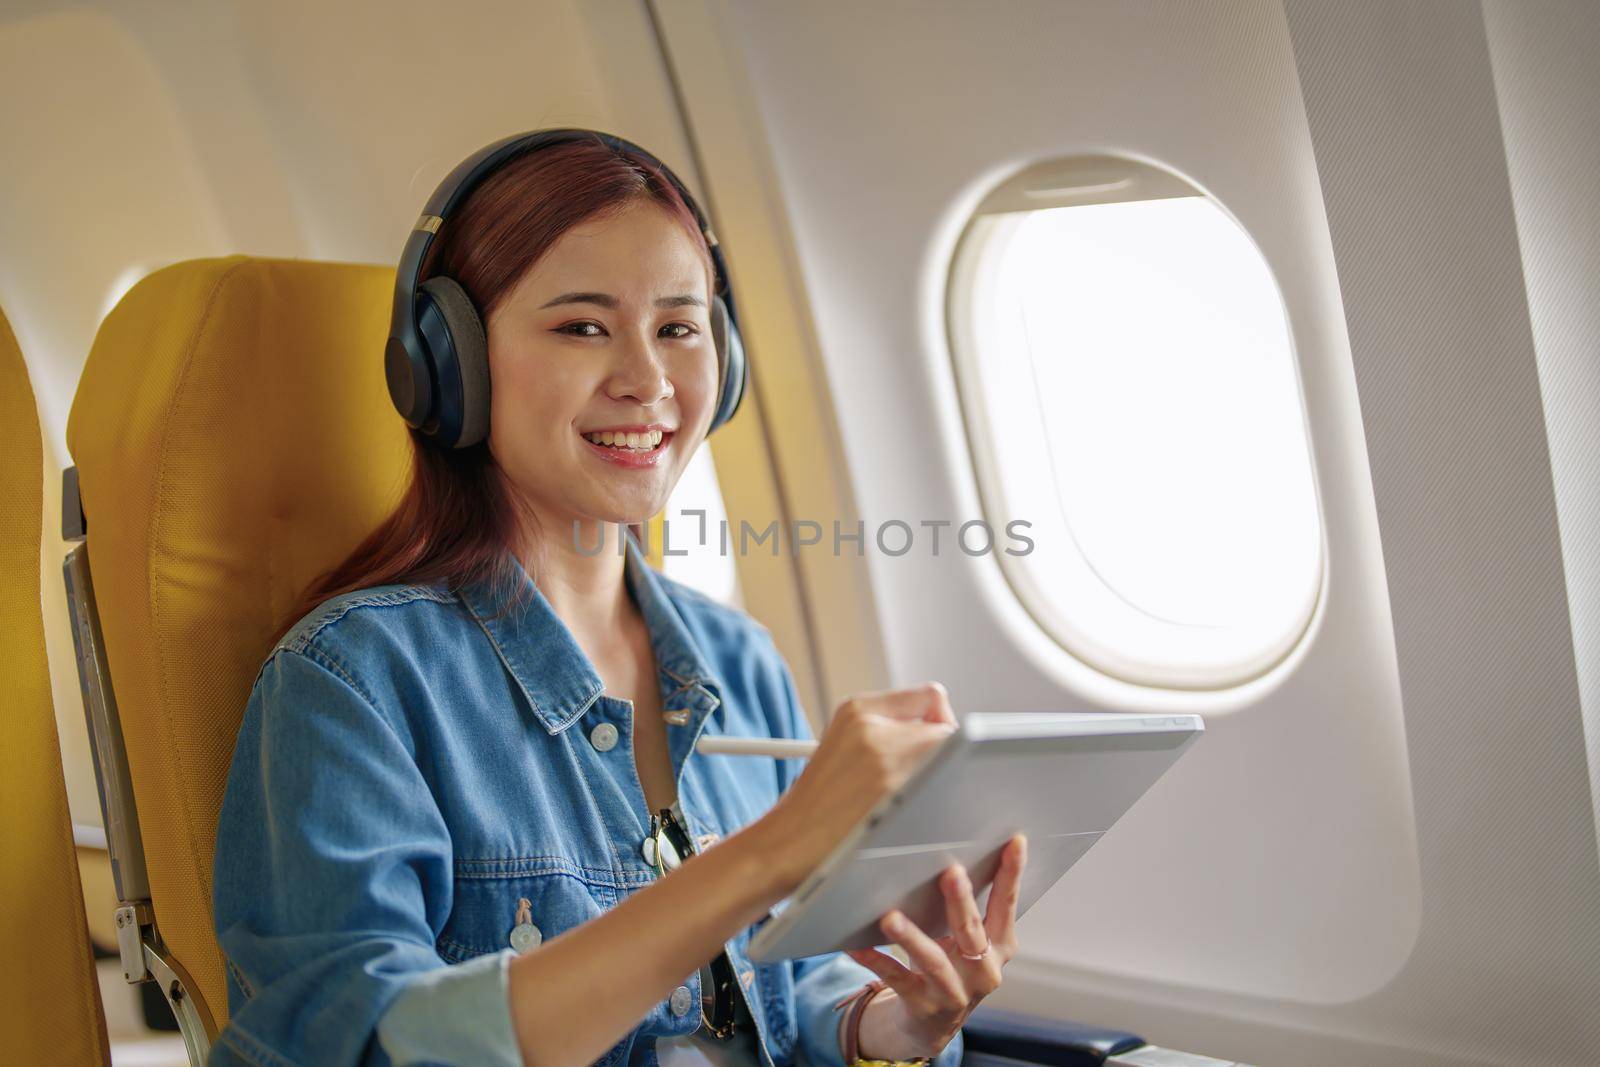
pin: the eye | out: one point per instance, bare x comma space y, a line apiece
572, 326
688, 331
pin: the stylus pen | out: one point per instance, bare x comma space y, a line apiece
778, 747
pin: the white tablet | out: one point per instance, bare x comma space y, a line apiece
1062, 779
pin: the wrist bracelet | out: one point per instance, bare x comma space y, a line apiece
850, 1029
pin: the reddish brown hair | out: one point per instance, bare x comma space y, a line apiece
457, 520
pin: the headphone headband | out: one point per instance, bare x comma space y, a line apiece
405, 357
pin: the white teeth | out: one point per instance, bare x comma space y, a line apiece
635, 442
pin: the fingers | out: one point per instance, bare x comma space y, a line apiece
929, 702
930, 959
889, 734
940, 698
961, 910
937, 975
899, 977
1001, 916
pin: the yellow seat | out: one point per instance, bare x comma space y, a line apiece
233, 438
50, 1008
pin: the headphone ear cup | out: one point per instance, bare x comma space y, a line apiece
410, 383
470, 349
730, 363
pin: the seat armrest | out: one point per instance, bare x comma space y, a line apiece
1019, 1037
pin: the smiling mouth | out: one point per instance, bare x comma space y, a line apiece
636, 451
637, 443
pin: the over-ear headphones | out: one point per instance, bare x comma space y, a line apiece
437, 357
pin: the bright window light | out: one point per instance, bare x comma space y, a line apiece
703, 565
1128, 375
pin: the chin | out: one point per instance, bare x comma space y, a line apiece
623, 512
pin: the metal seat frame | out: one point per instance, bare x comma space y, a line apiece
145, 957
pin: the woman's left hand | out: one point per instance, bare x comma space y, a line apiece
925, 1007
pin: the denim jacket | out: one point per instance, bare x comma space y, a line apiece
408, 769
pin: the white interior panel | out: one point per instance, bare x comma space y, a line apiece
1336, 874
1252, 867
1548, 87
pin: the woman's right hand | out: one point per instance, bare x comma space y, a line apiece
869, 748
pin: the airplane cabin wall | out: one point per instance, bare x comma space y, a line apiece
922, 108
1384, 850
1547, 83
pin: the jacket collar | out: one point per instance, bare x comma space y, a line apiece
556, 676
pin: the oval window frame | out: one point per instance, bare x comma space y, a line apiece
1066, 182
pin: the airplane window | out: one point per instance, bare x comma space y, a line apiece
1128, 380
703, 565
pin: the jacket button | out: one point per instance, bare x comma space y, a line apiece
525, 936
681, 998
603, 737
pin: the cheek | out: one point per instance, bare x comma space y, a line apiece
530, 413
697, 388
534, 395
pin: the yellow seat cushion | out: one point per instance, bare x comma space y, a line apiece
49, 999
234, 438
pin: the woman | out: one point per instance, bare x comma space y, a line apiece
465, 821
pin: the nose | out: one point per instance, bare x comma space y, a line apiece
640, 375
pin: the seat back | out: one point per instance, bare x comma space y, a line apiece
50, 1009
233, 438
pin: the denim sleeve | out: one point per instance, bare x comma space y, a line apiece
331, 880
456, 1014
821, 981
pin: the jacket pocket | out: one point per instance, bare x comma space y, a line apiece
489, 912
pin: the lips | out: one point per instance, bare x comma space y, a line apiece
627, 458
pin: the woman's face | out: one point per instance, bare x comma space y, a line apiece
609, 333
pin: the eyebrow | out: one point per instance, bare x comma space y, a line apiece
605, 300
